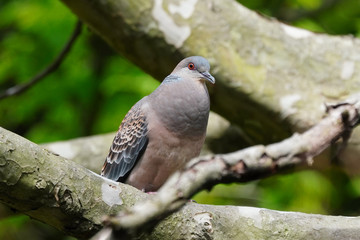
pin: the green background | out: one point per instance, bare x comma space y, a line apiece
94, 88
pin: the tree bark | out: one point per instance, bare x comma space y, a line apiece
241, 166
52, 189
73, 199
266, 71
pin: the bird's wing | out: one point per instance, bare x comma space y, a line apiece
128, 145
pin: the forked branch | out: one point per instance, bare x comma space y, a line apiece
242, 166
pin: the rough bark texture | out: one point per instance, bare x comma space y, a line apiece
54, 190
73, 199
266, 71
241, 166
196, 221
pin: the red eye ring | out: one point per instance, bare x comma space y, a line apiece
191, 66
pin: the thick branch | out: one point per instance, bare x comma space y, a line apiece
198, 222
73, 199
266, 71
55, 190
241, 166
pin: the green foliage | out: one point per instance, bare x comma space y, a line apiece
20, 227
312, 191
10, 225
89, 94
326, 192
94, 88
231, 194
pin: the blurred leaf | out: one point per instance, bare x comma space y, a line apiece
306, 4
306, 191
230, 194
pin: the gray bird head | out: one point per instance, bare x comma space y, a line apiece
195, 67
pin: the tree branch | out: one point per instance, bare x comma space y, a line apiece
63, 194
242, 166
266, 70
49, 69
57, 191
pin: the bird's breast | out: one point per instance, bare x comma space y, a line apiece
186, 109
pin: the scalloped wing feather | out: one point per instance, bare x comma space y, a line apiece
128, 145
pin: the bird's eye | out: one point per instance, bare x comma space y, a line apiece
191, 66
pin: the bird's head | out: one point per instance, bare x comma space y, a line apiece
195, 67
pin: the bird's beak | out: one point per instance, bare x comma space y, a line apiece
208, 76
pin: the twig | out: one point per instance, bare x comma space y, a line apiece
241, 166
17, 89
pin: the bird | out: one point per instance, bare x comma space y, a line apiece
164, 130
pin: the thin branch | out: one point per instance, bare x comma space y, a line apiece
241, 166
49, 69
